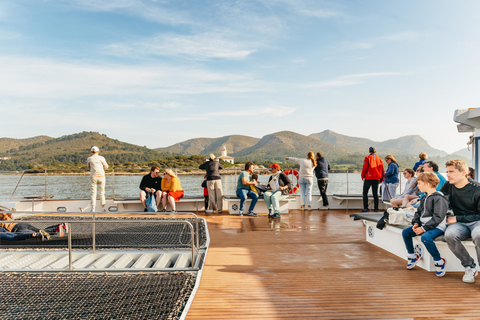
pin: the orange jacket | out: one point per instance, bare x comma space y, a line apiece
373, 168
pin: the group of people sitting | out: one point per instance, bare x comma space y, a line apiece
279, 185
450, 208
166, 189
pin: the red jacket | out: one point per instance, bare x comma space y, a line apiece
373, 168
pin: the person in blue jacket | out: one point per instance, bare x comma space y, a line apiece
391, 181
423, 158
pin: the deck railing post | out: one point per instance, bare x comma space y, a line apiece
69, 226
93, 232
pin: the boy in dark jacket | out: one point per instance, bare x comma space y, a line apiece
429, 222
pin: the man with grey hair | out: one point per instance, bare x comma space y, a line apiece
464, 198
97, 166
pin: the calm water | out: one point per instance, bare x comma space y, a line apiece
78, 186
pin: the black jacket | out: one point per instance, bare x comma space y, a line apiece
283, 181
212, 168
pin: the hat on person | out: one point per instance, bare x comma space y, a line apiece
212, 156
371, 149
170, 172
95, 149
275, 166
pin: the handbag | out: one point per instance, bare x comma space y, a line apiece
151, 203
396, 216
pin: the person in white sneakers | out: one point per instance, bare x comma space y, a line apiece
97, 166
464, 197
305, 178
428, 222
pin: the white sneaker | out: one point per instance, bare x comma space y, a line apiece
302, 207
240, 213
209, 211
470, 274
309, 208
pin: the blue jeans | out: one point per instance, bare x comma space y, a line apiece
7, 235
272, 199
306, 189
243, 194
427, 240
459, 231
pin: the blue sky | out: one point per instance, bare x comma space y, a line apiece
155, 73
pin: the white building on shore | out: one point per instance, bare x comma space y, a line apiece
224, 156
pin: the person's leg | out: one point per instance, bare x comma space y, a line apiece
254, 198
171, 200
219, 195
322, 186
366, 186
454, 235
158, 198
475, 231
302, 183
267, 196
212, 205
205, 199
242, 194
408, 234
101, 184
143, 198
93, 193
309, 186
277, 195
24, 227
164, 199
396, 202
427, 240
375, 193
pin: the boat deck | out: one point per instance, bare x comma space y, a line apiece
318, 265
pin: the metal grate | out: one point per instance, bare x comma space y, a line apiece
89, 296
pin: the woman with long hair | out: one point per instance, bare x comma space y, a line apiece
305, 178
410, 186
391, 181
171, 190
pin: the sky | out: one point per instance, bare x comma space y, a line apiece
158, 72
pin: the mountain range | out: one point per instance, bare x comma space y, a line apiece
75, 148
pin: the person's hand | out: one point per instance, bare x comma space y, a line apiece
418, 231
286, 158
451, 220
152, 190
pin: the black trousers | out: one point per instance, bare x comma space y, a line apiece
322, 186
366, 186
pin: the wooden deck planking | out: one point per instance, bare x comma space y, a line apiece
317, 265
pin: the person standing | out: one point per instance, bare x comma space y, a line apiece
97, 166
389, 186
373, 173
214, 184
305, 178
321, 172
243, 189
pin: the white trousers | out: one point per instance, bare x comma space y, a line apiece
93, 197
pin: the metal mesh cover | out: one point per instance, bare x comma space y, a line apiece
88, 296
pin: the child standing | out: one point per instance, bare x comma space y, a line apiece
429, 222
205, 192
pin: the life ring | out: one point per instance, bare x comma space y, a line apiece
295, 173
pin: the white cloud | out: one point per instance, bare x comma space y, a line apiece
50, 79
347, 80
198, 47
406, 36
275, 110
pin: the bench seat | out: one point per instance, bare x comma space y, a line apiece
390, 239
232, 204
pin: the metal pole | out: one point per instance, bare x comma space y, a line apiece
69, 246
113, 183
348, 190
193, 245
93, 232
45, 183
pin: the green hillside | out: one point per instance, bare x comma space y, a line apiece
73, 150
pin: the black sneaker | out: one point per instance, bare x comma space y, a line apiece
365, 210
145, 210
252, 214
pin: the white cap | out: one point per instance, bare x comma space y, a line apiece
95, 149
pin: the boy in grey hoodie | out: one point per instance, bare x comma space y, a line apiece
429, 222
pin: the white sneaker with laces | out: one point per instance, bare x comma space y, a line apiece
470, 274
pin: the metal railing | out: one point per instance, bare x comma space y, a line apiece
194, 245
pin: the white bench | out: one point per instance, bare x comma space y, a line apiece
390, 239
232, 204
187, 203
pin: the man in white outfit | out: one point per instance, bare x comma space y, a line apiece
97, 166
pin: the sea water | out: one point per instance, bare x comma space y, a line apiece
123, 186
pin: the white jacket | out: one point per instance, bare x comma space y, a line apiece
97, 164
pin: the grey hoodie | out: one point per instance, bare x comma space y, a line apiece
432, 212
